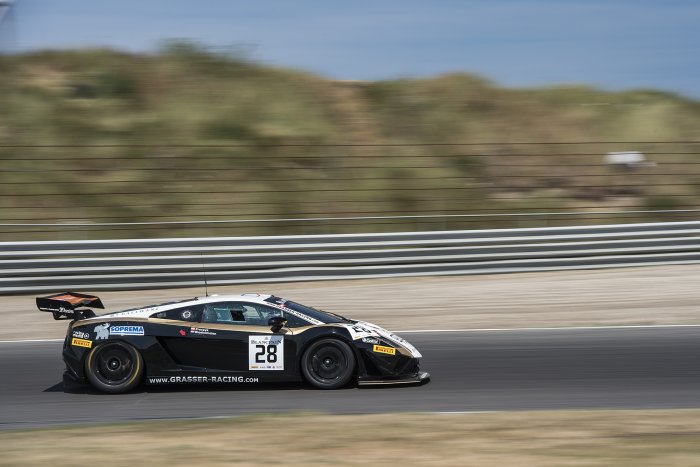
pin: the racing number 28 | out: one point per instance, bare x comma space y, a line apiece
266, 353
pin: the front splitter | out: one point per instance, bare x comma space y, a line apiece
421, 377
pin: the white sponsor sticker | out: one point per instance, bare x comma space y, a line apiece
362, 329
101, 331
266, 352
126, 331
81, 335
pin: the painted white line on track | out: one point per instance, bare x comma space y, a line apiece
428, 331
568, 328
31, 341
341, 414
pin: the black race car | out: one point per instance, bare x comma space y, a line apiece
227, 339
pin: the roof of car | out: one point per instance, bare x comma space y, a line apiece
148, 310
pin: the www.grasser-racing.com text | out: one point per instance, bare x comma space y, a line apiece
200, 379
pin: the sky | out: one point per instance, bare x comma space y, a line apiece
611, 44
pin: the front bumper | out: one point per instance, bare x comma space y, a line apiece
418, 378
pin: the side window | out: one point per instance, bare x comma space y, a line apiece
264, 312
267, 312
189, 313
252, 314
223, 312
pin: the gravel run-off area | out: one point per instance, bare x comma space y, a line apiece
609, 297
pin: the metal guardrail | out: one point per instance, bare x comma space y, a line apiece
27, 267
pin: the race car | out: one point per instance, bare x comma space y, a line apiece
226, 339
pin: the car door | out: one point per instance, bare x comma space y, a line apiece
233, 336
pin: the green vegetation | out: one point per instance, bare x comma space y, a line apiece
186, 134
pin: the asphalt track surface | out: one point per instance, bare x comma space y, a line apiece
655, 367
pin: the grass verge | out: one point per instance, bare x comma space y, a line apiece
603, 437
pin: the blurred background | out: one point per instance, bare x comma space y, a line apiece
153, 121
109, 128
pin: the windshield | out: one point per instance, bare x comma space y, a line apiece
323, 316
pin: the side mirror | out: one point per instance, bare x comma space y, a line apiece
277, 322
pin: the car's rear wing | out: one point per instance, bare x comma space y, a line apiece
69, 305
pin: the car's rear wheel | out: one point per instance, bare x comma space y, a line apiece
114, 367
328, 364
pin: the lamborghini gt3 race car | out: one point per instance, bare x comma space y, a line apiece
227, 339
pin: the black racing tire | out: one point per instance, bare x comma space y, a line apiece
114, 367
328, 364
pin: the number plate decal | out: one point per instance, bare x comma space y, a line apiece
266, 352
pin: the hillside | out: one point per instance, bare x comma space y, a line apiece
105, 136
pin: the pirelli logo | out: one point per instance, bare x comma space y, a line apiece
385, 350
81, 343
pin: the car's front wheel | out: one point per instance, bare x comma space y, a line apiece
328, 364
114, 367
